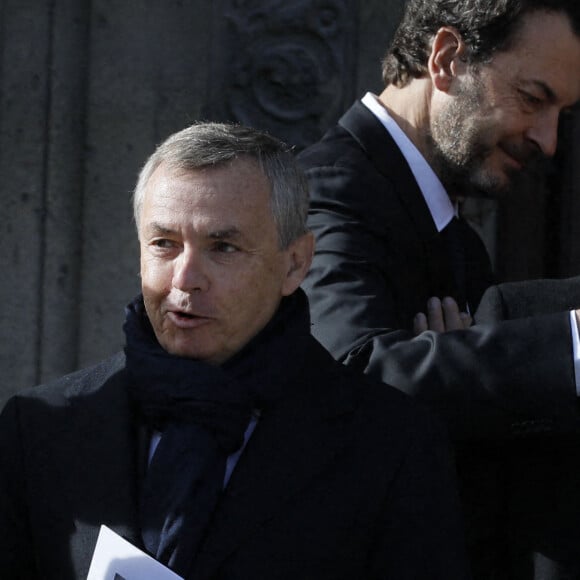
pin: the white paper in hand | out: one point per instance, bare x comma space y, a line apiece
115, 558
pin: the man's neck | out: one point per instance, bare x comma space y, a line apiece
409, 107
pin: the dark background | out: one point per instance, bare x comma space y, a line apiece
89, 87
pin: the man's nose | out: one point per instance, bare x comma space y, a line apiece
544, 132
189, 274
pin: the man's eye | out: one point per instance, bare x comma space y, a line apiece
225, 248
530, 100
162, 243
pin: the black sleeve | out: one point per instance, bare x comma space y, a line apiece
16, 554
494, 381
513, 300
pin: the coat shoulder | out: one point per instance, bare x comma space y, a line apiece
380, 409
82, 382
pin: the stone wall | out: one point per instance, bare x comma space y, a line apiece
88, 88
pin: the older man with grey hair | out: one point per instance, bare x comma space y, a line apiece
225, 442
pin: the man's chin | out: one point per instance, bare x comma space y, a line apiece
496, 189
497, 185
199, 352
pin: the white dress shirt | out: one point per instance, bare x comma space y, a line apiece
436, 198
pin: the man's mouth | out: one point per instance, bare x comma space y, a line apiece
523, 157
185, 315
516, 160
186, 320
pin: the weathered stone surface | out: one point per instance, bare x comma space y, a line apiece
23, 157
287, 67
87, 89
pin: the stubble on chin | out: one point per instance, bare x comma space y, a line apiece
462, 144
459, 144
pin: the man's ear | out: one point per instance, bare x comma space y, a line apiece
299, 257
445, 61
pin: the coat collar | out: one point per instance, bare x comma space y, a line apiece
388, 160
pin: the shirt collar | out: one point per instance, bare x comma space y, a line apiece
436, 198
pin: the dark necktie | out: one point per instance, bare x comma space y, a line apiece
183, 484
454, 237
470, 264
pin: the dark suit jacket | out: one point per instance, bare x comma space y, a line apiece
347, 479
379, 257
539, 495
505, 388
513, 300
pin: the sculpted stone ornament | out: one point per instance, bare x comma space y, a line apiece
288, 65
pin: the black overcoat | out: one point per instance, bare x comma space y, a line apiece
347, 479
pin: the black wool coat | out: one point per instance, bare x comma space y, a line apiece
347, 479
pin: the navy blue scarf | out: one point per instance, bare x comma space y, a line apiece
203, 412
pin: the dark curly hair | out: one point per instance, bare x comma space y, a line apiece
485, 25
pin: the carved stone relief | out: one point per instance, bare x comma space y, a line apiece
286, 67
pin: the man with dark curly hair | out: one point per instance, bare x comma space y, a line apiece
473, 93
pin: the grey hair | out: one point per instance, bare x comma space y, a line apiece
204, 145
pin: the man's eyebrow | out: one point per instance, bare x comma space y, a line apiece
227, 233
157, 228
552, 98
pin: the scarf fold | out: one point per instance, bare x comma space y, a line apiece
202, 412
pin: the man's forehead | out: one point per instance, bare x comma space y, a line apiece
181, 168
227, 176
222, 202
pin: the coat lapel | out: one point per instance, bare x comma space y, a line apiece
290, 448
388, 160
103, 478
